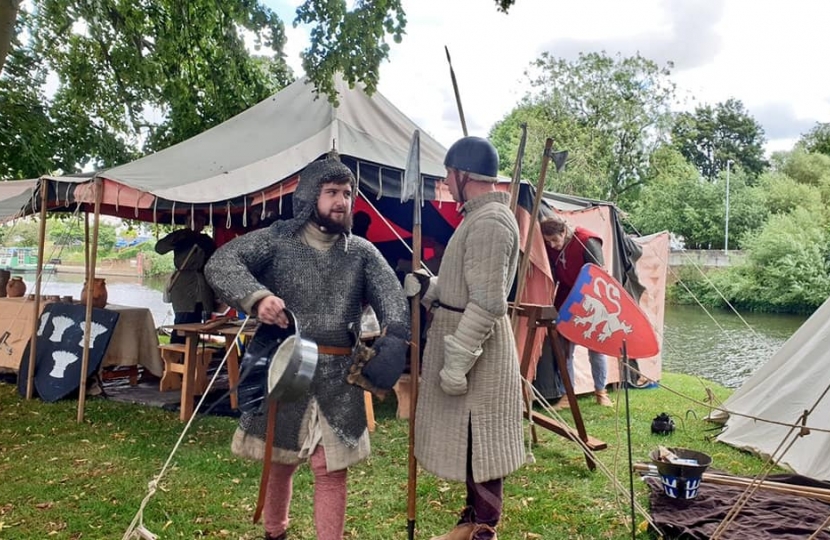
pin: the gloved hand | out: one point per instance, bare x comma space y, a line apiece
416, 283
458, 361
384, 369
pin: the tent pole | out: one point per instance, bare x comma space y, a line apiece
531, 229
86, 243
99, 188
41, 239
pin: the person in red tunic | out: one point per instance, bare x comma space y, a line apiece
568, 250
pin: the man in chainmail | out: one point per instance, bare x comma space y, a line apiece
568, 251
468, 422
313, 265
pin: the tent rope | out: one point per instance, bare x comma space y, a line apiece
154, 483
245, 212
263, 214
173, 214
228, 214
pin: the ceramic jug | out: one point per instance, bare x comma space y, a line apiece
99, 293
16, 287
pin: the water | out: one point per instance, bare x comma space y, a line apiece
694, 344
125, 291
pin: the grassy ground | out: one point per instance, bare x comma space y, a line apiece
62, 480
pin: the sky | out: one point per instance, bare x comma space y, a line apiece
769, 54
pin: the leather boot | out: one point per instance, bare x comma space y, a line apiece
603, 399
467, 531
463, 531
563, 403
280, 537
477, 533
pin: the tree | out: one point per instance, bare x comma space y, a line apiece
817, 140
8, 19
608, 112
677, 199
712, 136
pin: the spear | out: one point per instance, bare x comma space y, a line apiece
412, 188
457, 95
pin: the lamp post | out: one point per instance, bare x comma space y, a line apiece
726, 224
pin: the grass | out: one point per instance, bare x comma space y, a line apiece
62, 480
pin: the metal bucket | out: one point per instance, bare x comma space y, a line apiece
682, 480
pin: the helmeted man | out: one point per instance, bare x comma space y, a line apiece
313, 265
468, 423
189, 292
568, 251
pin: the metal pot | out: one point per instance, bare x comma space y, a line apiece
278, 364
292, 366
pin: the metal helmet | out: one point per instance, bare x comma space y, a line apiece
474, 155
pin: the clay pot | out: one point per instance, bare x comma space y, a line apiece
5, 275
16, 287
99, 293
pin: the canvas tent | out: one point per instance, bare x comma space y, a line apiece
247, 167
793, 381
15, 195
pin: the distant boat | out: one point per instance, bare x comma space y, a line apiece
24, 260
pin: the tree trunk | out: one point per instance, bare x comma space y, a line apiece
8, 18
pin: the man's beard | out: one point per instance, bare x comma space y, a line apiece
331, 226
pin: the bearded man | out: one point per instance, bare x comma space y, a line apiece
468, 422
313, 265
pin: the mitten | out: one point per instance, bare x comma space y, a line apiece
384, 369
416, 283
458, 361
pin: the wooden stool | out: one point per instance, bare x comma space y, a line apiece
173, 357
402, 392
370, 411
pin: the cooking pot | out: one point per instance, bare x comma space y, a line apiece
278, 363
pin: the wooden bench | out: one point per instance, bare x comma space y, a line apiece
174, 367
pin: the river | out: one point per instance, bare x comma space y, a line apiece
720, 348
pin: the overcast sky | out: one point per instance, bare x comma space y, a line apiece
770, 54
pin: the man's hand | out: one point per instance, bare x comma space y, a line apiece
271, 310
416, 283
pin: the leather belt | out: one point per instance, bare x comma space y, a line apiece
335, 351
445, 306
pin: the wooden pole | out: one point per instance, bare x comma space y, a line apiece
86, 244
414, 374
41, 239
517, 170
534, 216
90, 278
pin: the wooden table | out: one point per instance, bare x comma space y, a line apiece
134, 340
192, 334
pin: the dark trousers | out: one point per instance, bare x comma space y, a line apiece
484, 500
185, 317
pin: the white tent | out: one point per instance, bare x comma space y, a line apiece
794, 380
275, 139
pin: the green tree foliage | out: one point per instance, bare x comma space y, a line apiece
677, 199
817, 140
23, 233
609, 112
25, 126
711, 136
782, 194
117, 60
786, 269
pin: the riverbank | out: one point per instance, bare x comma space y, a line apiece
127, 268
